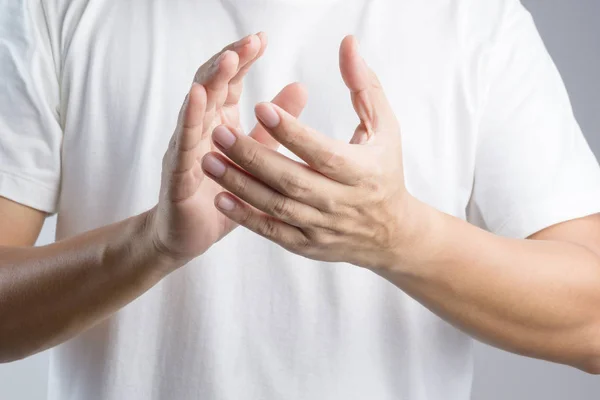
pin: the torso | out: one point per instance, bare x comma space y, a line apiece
248, 319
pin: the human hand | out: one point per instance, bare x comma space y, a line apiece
347, 203
185, 222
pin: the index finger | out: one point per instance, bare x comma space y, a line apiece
292, 98
322, 153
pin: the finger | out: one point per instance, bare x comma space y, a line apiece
368, 97
322, 153
218, 76
190, 127
218, 71
256, 193
261, 39
288, 177
249, 52
181, 169
292, 99
216, 86
241, 48
287, 236
246, 49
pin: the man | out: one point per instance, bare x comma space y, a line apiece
362, 273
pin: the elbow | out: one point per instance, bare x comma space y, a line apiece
6, 358
11, 352
8, 355
591, 365
591, 361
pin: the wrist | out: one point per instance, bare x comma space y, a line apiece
154, 246
420, 241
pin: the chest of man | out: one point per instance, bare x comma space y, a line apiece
126, 67
248, 312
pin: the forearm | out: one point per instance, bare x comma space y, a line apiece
536, 298
48, 294
51, 293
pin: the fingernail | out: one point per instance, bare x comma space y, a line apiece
224, 136
261, 35
218, 60
213, 166
225, 203
242, 42
267, 114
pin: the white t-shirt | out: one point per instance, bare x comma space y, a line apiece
89, 98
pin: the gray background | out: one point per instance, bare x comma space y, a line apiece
572, 35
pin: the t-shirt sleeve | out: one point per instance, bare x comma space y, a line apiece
30, 131
533, 166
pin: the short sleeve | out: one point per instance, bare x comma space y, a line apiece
533, 166
30, 132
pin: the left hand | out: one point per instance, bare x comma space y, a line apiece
348, 204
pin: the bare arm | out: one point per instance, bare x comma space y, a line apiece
51, 293
19, 225
539, 298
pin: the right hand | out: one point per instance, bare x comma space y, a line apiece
185, 222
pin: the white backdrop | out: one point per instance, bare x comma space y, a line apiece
572, 35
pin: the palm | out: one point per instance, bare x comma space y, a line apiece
189, 223
200, 207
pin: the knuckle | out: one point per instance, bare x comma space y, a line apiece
281, 207
239, 183
332, 160
326, 220
268, 228
341, 219
328, 205
301, 244
246, 218
293, 185
325, 238
251, 158
313, 237
294, 134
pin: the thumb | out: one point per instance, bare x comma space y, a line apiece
368, 98
292, 99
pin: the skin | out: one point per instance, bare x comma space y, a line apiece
81, 280
347, 203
